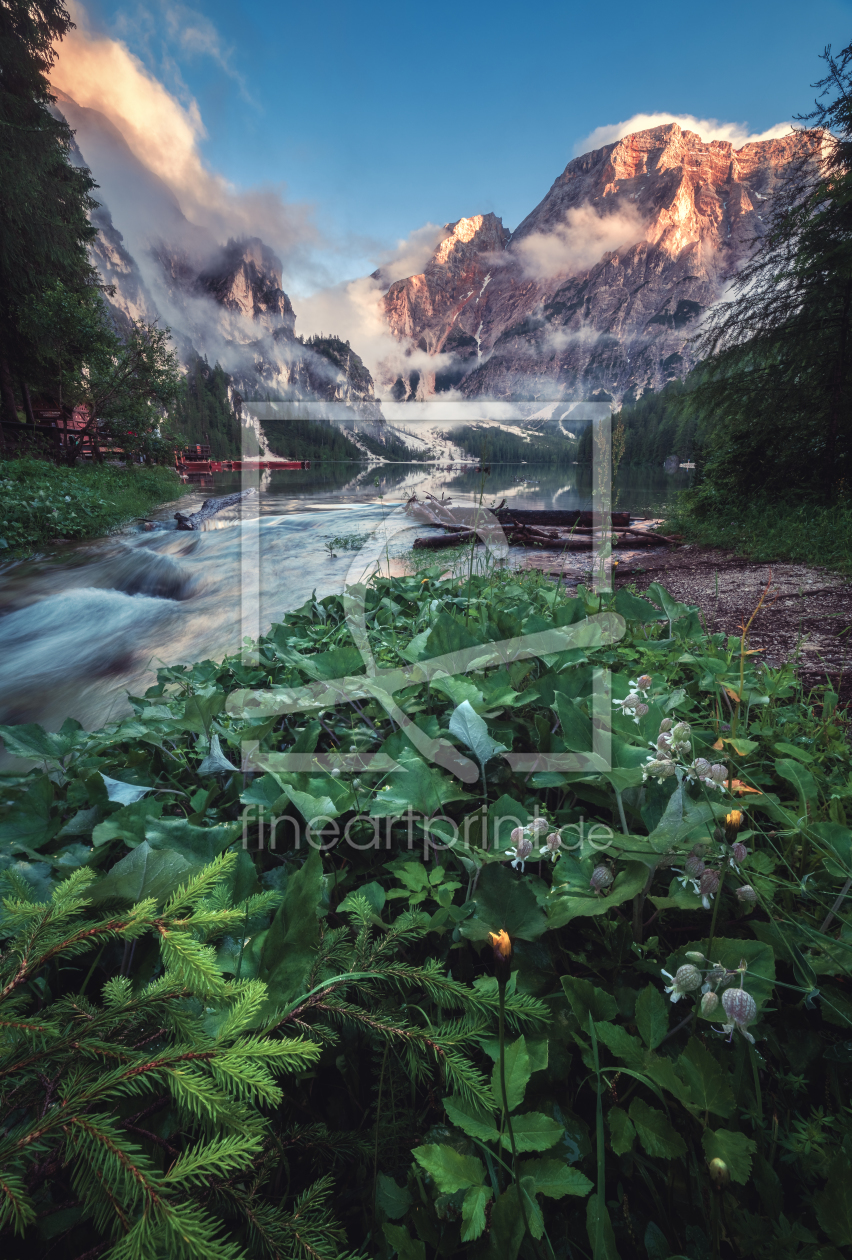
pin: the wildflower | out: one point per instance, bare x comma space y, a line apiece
552, 845
685, 980
719, 1172
632, 706
734, 820
746, 893
68, 498
694, 956
517, 835
741, 1010
521, 851
335, 774
666, 725
501, 945
708, 886
709, 1002
602, 877
693, 869
658, 769
539, 824
643, 682
680, 737
739, 852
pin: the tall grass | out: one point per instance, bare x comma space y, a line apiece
40, 501
807, 533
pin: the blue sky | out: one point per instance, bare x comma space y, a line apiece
386, 116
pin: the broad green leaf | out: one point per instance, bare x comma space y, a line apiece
200, 710
619, 1041
656, 1243
502, 900
839, 840
203, 843
473, 1212
791, 750
145, 872
470, 728
393, 1199
834, 1202
314, 809
518, 1071
607, 1249
576, 725
507, 1227
35, 743
655, 1131
802, 780
471, 1119
31, 822
128, 823
673, 608
622, 1130
82, 823
587, 1000
123, 793
450, 1170
290, 944
652, 1016
406, 1247
423, 787
633, 608
534, 1132
742, 747
554, 1178
682, 814
734, 1148
215, 762
709, 1089
563, 907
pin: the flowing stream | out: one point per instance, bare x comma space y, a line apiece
84, 625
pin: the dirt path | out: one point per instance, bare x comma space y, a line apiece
807, 615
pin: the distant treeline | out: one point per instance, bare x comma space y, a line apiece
309, 439
496, 446
203, 413
654, 427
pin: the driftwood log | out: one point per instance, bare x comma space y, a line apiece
210, 507
526, 537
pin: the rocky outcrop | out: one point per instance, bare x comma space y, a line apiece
603, 284
225, 303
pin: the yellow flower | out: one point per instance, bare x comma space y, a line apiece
734, 820
501, 944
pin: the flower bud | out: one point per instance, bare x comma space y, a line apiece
719, 1174
701, 766
524, 849
694, 956
631, 701
719, 773
641, 710
666, 725
554, 841
517, 835
501, 946
681, 732
718, 835
539, 824
746, 893
644, 682
660, 769
709, 1002
664, 743
739, 851
602, 877
740, 1007
685, 980
709, 883
694, 866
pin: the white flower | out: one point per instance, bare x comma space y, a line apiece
521, 850
68, 498
685, 980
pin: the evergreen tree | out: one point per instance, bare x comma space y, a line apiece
44, 200
778, 377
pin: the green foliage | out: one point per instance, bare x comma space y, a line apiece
688, 1127
41, 501
319, 441
203, 413
495, 446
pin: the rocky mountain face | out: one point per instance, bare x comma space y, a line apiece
602, 285
222, 302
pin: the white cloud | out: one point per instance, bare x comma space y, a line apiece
164, 134
578, 242
707, 128
410, 256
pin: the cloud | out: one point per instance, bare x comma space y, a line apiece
410, 256
163, 133
708, 129
578, 242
